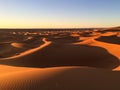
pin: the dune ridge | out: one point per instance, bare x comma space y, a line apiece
78, 60
46, 43
61, 78
111, 48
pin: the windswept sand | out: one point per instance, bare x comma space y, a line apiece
62, 78
81, 60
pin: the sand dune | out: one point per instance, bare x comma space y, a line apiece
5, 69
61, 61
113, 29
64, 54
46, 43
7, 50
5, 47
18, 45
104, 42
109, 39
111, 48
108, 34
64, 78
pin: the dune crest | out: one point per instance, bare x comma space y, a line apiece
46, 43
111, 48
61, 79
60, 60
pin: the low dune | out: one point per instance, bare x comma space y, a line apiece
75, 35
18, 45
110, 39
108, 34
113, 29
7, 50
5, 69
27, 52
64, 78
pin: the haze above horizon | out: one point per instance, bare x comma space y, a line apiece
59, 13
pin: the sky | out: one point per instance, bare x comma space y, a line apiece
59, 13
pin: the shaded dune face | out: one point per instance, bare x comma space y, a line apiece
7, 50
86, 34
33, 39
57, 55
4, 47
61, 79
117, 29
64, 39
110, 39
33, 42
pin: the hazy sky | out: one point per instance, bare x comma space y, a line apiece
59, 13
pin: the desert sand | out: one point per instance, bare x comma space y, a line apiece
60, 59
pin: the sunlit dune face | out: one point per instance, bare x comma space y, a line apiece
75, 35
4, 69
109, 34
108, 41
29, 38
18, 45
118, 34
61, 78
14, 33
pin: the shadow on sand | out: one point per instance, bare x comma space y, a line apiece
110, 39
56, 55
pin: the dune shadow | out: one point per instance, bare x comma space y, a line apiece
110, 39
57, 55
62, 79
64, 39
86, 34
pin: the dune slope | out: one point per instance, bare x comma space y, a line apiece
64, 78
56, 55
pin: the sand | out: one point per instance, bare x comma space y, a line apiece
53, 60
65, 78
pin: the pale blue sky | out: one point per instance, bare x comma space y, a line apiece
59, 13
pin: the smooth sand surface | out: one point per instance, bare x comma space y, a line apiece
85, 60
64, 78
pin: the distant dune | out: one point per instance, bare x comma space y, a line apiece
113, 29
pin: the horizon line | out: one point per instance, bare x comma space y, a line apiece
58, 28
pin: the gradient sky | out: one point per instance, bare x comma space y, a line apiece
59, 13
